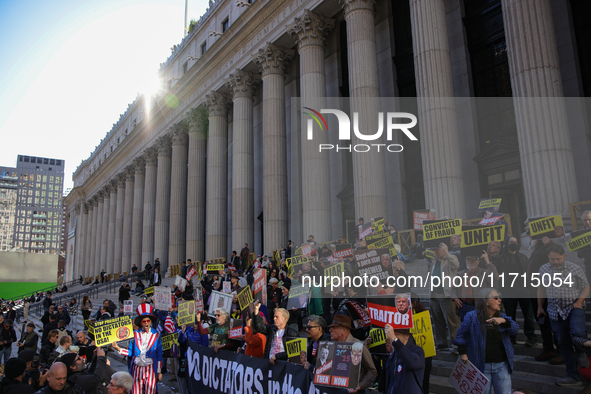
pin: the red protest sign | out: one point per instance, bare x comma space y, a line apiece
467, 379
390, 309
420, 216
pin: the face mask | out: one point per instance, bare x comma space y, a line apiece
513, 247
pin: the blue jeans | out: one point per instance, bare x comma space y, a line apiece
574, 325
5, 354
500, 379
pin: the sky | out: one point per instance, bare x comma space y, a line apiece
69, 69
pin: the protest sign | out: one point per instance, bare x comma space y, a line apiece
489, 204
112, 330
466, 378
294, 347
342, 251
213, 269
198, 295
277, 256
308, 250
550, 226
429, 254
180, 283
332, 272
227, 287
489, 220
338, 364
149, 290
394, 310
370, 263
475, 239
186, 313
294, 264
378, 341
365, 230
421, 215
235, 329
422, 332
378, 225
219, 300
235, 372
579, 240
191, 272
358, 315
381, 241
128, 306
298, 297
167, 341
89, 324
438, 231
162, 299
244, 297
260, 285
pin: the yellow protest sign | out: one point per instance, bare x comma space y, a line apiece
482, 235
429, 254
294, 347
112, 330
244, 297
422, 332
214, 268
294, 262
378, 340
578, 240
379, 225
436, 232
149, 290
186, 313
89, 326
489, 204
169, 339
550, 226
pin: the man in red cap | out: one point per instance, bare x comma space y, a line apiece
340, 331
145, 349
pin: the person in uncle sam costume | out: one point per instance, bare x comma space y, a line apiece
145, 349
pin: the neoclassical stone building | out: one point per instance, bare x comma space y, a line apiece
219, 159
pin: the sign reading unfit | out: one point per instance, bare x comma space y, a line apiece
294, 347
550, 227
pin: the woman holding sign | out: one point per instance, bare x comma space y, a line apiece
484, 338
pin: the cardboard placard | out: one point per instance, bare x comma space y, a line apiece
244, 298
198, 295
191, 272
422, 332
235, 329
112, 330
162, 300
294, 348
474, 239
378, 225
394, 310
89, 324
489, 204
149, 290
549, 226
298, 297
219, 300
128, 306
186, 313
438, 231
466, 378
378, 341
180, 282
213, 269
420, 216
365, 230
227, 287
578, 240
360, 317
338, 364
167, 341
342, 251
260, 285
369, 262
294, 263
489, 220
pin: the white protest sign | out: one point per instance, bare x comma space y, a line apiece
180, 282
467, 379
219, 301
227, 287
128, 306
162, 300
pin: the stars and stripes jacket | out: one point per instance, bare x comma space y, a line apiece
154, 349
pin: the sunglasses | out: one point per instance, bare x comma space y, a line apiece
146, 321
217, 315
311, 327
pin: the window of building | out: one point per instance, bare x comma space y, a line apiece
58, 162
26, 159
204, 47
45, 161
225, 24
185, 67
52, 162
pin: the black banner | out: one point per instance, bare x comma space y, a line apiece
231, 373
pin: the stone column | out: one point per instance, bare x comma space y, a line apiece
439, 138
545, 149
78, 246
272, 61
161, 228
138, 212
84, 244
105, 228
217, 176
127, 219
117, 257
92, 239
198, 124
112, 226
178, 196
309, 31
369, 168
151, 157
242, 84
99, 231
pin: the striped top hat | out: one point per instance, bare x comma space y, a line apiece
144, 310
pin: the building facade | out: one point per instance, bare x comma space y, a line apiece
32, 201
221, 156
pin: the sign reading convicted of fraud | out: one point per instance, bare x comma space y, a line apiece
436, 232
112, 330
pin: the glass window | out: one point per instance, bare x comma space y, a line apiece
44, 186
42, 201
44, 178
51, 179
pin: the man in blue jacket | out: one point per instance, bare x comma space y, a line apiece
145, 350
406, 364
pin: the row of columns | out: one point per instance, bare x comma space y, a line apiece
156, 206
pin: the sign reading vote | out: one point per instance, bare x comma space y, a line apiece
112, 330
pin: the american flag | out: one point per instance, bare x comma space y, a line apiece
169, 325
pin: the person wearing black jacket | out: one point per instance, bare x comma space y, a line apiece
124, 295
12, 383
235, 260
47, 302
93, 380
7, 337
316, 330
48, 312
29, 339
156, 278
52, 325
47, 348
406, 364
277, 334
62, 314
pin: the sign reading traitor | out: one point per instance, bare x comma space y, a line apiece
438, 231
550, 227
112, 330
393, 310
